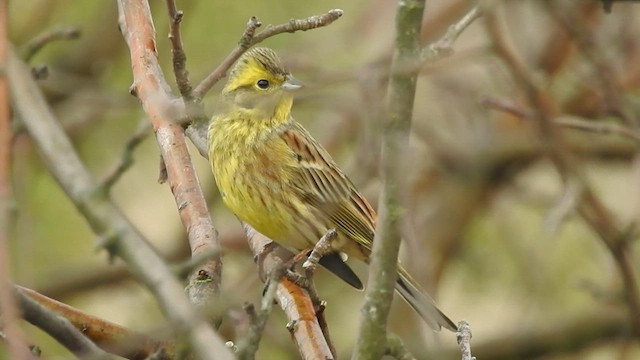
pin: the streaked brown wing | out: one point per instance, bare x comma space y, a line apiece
323, 185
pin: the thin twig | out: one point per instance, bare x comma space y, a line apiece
444, 46
40, 41
598, 127
321, 248
245, 42
248, 346
250, 38
179, 57
572, 122
567, 204
574, 335
126, 160
464, 340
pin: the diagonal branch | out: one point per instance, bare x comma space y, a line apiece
36, 44
108, 336
444, 46
160, 106
179, 58
249, 38
106, 220
590, 207
60, 328
295, 301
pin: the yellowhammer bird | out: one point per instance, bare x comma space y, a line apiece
277, 178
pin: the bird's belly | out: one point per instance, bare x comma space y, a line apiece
260, 199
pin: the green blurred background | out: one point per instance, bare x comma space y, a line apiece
487, 243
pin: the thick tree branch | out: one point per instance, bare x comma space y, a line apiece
108, 336
372, 336
106, 220
60, 328
303, 324
158, 103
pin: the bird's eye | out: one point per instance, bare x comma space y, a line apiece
263, 84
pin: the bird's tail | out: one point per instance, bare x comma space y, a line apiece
422, 303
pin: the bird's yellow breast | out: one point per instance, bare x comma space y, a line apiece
252, 168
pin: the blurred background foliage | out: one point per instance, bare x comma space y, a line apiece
485, 231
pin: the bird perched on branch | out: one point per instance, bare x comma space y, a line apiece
277, 178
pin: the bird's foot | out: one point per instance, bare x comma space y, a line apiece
322, 248
311, 260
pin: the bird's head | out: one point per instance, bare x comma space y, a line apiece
259, 82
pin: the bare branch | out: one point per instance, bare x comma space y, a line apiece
179, 58
126, 160
598, 127
245, 43
295, 301
397, 350
372, 336
464, 340
590, 207
444, 46
567, 121
36, 44
108, 336
249, 38
106, 220
248, 346
59, 328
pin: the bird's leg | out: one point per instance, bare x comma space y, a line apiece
297, 258
322, 247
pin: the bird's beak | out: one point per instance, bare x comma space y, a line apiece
291, 84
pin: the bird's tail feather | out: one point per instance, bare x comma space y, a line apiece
421, 302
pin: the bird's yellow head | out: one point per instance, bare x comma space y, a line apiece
259, 83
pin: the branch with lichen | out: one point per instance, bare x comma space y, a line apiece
372, 335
